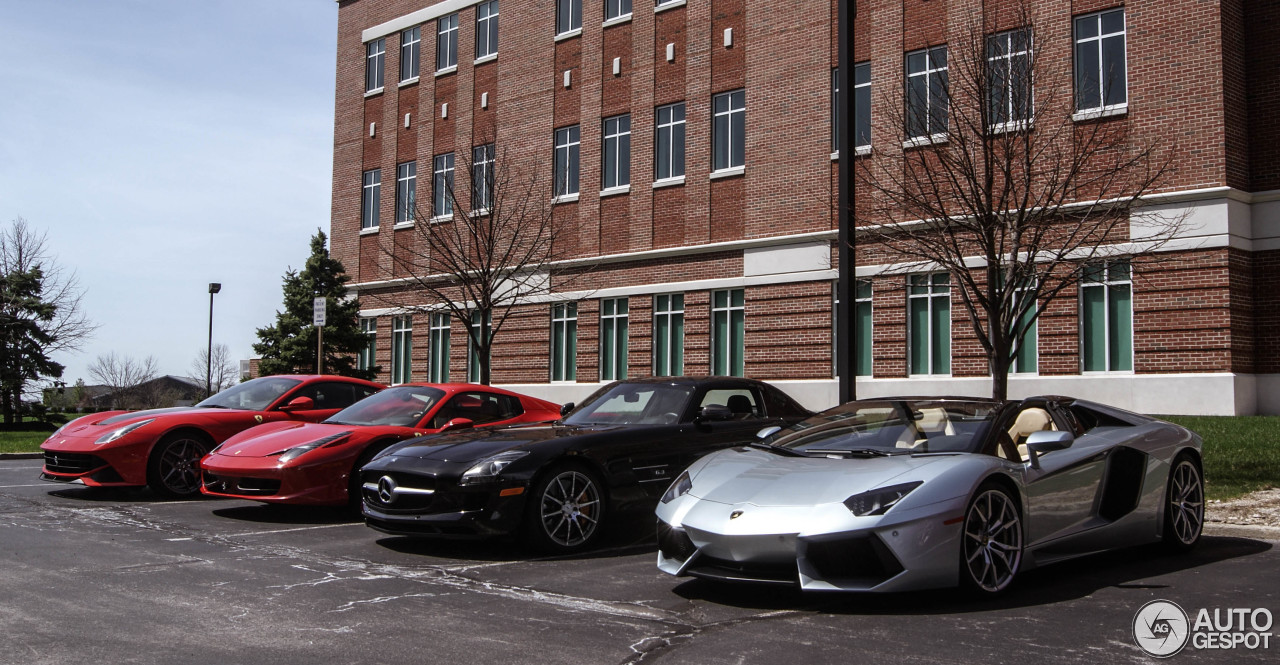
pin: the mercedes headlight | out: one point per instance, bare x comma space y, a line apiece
679, 488
879, 501
118, 433
298, 451
489, 467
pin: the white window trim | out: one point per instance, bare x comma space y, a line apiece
729, 114
668, 182
551, 347
929, 72
1104, 112
729, 172
406, 82
1020, 293
615, 317
369, 231
1027, 123
569, 35
614, 191
447, 70
617, 20
485, 58
565, 198
713, 343
932, 139
928, 298
1106, 284
440, 219
668, 313
403, 225
374, 92
1010, 127
664, 6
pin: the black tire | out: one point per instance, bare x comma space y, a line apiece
1183, 504
355, 493
173, 470
990, 541
566, 510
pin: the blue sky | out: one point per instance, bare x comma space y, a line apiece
163, 145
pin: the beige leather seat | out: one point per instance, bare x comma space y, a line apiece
1030, 420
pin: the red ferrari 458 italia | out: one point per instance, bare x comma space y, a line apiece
162, 448
317, 464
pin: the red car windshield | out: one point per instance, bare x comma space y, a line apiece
254, 395
403, 406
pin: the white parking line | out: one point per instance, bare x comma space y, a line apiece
5, 487
301, 528
19, 468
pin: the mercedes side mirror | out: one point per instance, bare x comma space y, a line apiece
715, 412
1039, 443
566, 408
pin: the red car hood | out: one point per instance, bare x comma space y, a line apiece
113, 419
265, 440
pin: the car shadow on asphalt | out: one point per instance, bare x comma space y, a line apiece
626, 537
1070, 580
118, 495
286, 514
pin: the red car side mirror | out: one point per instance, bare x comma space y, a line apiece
458, 423
299, 404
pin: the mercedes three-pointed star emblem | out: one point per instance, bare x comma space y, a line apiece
386, 489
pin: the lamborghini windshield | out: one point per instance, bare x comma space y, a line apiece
403, 406
888, 427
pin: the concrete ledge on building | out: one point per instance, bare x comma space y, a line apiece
669, 5
728, 173
668, 182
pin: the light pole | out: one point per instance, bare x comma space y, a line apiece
214, 287
845, 323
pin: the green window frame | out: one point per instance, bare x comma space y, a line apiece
728, 332
668, 334
929, 329
564, 341
862, 328
366, 358
1026, 356
486, 331
438, 363
614, 323
401, 349
1106, 317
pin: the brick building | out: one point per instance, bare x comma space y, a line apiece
696, 140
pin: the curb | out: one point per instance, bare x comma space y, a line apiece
5, 456
1256, 531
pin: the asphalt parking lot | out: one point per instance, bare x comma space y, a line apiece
125, 577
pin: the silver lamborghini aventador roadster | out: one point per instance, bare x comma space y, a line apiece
909, 493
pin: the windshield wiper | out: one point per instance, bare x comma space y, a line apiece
774, 448
213, 406
855, 452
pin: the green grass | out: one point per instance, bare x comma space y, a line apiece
24, 437
1241, 453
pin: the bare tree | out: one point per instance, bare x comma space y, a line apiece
123, 375
486, 241
1001, 187
222, 372
40, 313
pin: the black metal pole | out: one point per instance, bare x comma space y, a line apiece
845, 333
214, 287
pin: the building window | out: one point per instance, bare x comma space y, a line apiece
670, 141
927, 96
487, 29
410, 50
1101, 72
616, 9
438, 363
446, 42
401, 349
668, 334
481, 326
367, 357
566, 161
564, 341
617, 152
568, 16
862, 328
369, 199
374, 59
406, 186
613, 339
1106, 317
1025, 356
729, 130
442, 186
1009, 72
929, 309
862, 106
482, 177
728, 332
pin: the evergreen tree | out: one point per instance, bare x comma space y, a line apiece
24, 337
289, 346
